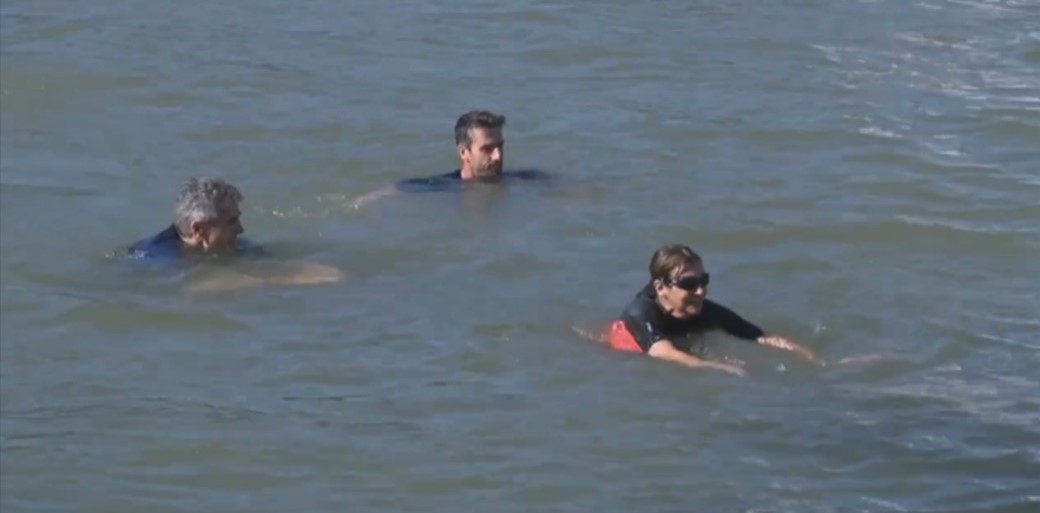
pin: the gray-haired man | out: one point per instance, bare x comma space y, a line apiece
207, 220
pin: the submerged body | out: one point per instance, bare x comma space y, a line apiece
454, 180
480, 145
643, 323
672, 308
207, 224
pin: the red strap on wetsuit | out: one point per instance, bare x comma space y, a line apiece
621, 339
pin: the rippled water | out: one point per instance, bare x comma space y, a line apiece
860, 175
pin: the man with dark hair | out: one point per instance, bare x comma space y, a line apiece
481, 147
478, 138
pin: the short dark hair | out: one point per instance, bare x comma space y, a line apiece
476, 119
673, 258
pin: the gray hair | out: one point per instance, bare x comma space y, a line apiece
203, 199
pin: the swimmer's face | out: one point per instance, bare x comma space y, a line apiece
221, 234
682, 294
485, 153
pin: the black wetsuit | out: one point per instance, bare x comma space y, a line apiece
453, 180
648, 323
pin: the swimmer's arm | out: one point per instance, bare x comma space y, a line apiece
739, 327
267, 275
665, 350
307, 274
375, 195
781, 342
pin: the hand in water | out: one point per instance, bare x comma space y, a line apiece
865, 359
781, 342
804, 354
373, 196
854, 360
728, 367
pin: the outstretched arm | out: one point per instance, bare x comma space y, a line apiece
739, 327
270, 274
375, 195
665, 350
781, 342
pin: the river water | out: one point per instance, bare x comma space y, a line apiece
863, 176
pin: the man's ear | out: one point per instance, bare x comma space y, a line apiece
463, 150
196, 228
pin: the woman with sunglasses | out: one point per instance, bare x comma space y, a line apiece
663, 316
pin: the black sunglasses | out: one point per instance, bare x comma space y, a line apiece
689, 282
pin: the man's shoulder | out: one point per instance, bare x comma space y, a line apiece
642, 305
430, 183
164, 244
529, 174
454, 180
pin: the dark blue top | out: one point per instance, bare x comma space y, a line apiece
167, 246
453, 180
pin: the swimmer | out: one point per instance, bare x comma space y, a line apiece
207, 222
207, 219
671, 309
481, 148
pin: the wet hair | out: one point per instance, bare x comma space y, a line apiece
672, 259
203, 199
475, 119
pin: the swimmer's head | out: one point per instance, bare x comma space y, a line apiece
481, 147
207, 214
679, 280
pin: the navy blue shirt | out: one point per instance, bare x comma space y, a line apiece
167, 246
648, 323
453, 180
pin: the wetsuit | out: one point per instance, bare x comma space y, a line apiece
167, 246
453, 180
643, 322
